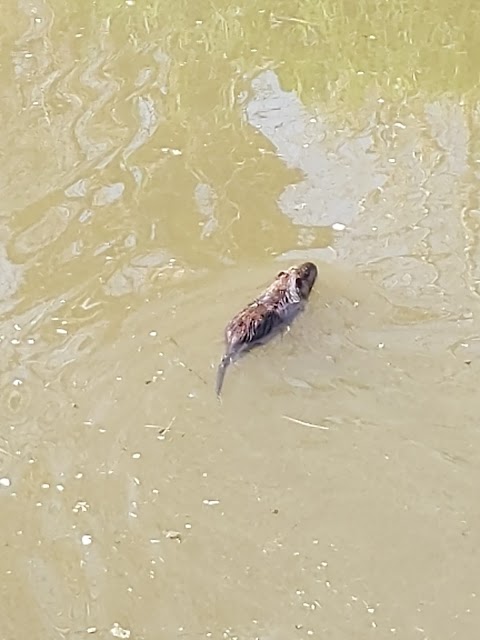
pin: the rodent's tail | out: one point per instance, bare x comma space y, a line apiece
222, 369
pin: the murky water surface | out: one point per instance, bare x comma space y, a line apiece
160, 162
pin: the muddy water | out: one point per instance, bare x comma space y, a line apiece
159, 164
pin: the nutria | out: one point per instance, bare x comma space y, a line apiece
263, 318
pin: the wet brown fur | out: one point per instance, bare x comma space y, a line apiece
272, 310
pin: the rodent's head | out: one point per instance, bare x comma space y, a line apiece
305, 276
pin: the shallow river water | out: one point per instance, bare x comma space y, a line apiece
159, 163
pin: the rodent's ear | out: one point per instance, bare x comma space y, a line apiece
300, 284
281, 273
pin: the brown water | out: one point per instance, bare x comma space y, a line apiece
160, 162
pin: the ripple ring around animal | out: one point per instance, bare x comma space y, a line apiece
273, 310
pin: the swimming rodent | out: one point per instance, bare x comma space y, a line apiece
263, 318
